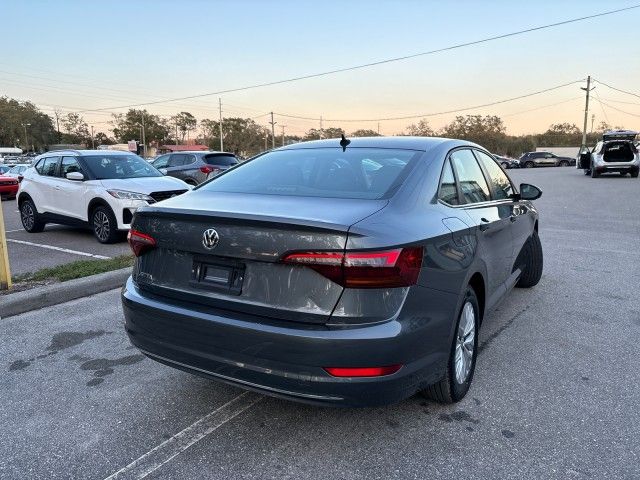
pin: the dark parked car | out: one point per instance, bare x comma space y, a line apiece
545, 159
194, 167
352, 273
507, 162
615, 153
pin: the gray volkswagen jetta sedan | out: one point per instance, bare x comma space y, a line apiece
348, 272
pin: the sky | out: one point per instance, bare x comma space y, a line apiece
80, 55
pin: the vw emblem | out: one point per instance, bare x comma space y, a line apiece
210, 238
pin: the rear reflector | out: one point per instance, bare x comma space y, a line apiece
380, 269
140, 242
362, 371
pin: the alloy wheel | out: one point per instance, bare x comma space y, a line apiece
28, 216
101, 225
465, 343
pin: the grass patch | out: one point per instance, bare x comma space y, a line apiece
81, 268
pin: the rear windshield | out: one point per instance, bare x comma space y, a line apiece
368, 173
223, 160
104, 167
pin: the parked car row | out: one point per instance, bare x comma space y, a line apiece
544, 159
194, 167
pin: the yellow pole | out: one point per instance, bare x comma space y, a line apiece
5, 273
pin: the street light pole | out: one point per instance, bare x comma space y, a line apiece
26, 140
282, 127
144, 140
93, 142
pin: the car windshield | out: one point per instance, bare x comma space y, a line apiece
323, 172
104, 167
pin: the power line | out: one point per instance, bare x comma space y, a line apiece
617, 89
616, 109
381, 62
434, 114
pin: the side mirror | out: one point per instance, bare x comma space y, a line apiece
529, 192
163, 171
76, 176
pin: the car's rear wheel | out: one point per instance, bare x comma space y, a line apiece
531, 261
104, 225
31, 221
528, 164
505, 165
634, 174
594, 172
586, 171
563, 163
462, 357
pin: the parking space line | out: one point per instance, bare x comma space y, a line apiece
14, 231
59, 249
169, 449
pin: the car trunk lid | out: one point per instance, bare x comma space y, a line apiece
242, 272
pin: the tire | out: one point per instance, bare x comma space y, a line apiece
505, 165
454, 385
31, 221
634, 174
563, 163
532, 262
594, 172
587, 171
104, 225
528, 165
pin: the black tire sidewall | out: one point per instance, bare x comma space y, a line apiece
458, 391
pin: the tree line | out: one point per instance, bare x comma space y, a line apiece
23, 124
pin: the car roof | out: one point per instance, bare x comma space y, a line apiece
399, 142
80, 153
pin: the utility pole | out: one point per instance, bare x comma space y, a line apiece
273, 132
378, 128
57, 113
282, 127
93, 143
321, 134
593, 118
586, 113
266, 138
176, 130
144, 140
220, 105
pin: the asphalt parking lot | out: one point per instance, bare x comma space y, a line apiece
57, 245
555, 393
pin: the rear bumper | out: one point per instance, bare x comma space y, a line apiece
617, 167
285, 360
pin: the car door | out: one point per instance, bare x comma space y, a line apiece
175, 165
489, 220
502, 190
71, 194
43, 188
162, 161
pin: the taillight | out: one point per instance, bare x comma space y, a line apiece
380, 269
362, 371
140, 242
207, 169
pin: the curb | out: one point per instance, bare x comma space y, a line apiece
36, 298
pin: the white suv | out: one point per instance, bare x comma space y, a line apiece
95, 188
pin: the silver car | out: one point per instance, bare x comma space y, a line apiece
616, 152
